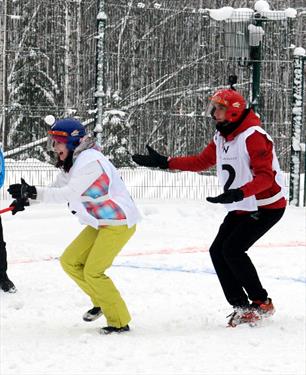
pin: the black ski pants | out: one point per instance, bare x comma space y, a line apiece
3, 256
234, 268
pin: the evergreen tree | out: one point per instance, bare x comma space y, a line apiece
115, 142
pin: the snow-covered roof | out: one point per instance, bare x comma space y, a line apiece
299, 51
244, 14
229, 13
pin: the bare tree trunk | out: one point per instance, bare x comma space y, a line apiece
67, 63
4, 76
124, 22
78, 54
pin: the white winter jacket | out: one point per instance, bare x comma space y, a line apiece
72, 187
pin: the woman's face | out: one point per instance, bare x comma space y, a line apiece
61, 150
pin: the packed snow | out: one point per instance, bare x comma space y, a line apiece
166, 277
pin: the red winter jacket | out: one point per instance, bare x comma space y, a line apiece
259, 148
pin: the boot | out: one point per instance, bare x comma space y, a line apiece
7, 285
92, 314
108, 330
251, 314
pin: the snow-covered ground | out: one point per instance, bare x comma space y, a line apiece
167, 279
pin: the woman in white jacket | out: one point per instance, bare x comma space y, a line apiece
96, 194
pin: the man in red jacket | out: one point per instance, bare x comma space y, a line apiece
254, 196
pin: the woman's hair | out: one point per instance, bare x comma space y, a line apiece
65, 164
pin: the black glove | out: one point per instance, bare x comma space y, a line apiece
22, 191
229, 196
154, 159
19, 205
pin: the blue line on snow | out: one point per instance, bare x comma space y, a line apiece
204, 270
169, 269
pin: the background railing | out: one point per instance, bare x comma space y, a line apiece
142, 183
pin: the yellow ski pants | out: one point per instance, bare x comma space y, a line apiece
85, 261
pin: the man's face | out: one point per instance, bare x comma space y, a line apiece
219, 112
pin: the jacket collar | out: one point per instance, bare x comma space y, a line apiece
250, 120
86, 143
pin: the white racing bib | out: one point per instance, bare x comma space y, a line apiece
233, 169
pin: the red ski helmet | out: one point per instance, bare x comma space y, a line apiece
232, 100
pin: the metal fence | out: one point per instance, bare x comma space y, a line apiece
142, 183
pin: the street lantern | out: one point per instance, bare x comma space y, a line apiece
100, 69
243, 35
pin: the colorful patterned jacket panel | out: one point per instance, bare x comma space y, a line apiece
106, 209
